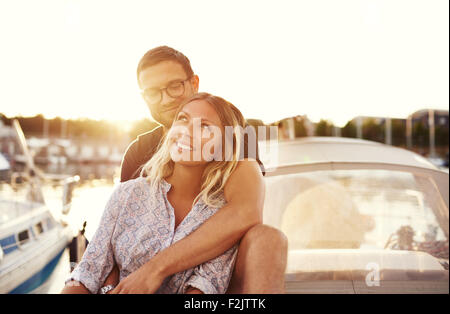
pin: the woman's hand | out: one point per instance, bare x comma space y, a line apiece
113, 278
145, 280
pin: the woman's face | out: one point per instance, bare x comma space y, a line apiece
195, 137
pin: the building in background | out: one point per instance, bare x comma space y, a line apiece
425, 131
423, 116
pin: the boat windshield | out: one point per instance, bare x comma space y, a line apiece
358, 209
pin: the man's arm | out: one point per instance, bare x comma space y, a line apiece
244, 193
75, 287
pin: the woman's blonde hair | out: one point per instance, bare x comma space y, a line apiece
216, 172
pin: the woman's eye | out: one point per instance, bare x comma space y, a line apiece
205, 126
181, 118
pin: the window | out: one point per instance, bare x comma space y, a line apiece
39, 228
23, 237
359, 209
8, 244
50, 223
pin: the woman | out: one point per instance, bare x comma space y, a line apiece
180, 187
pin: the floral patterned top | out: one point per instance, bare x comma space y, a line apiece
138, 222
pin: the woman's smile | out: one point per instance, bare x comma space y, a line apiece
183, 146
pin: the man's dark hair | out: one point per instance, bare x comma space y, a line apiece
164, 53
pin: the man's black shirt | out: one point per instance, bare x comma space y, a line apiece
145, 145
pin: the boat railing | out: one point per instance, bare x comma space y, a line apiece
68, 184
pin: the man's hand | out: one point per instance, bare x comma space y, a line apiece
145, 280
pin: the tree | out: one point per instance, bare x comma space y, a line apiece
142, 126
32, 125
441, 135
299, 127
55, 126
257, 124
349, 130
324, 128
420, 134
398, 132
4, 119
373, 131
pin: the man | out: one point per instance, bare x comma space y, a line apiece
166, 79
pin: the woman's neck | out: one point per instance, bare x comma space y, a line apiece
187, 180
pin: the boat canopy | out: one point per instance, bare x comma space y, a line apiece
314, 150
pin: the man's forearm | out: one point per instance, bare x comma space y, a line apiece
244, 193
74, 287
215, 236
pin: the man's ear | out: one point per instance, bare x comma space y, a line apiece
195, 81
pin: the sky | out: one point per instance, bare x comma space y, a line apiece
327, 59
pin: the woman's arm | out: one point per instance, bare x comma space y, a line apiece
244, 193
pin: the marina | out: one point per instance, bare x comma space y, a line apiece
36, 228
342, 108
88, 202
291, 185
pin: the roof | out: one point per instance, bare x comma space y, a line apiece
425, 112
313, 150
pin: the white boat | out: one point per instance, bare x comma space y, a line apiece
32, 240
360, 217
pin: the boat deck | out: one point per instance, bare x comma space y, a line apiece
11, 210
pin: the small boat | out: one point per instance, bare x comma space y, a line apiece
32, 240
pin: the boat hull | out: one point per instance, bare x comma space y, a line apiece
28, 269
36, 280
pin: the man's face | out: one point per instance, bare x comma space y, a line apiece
163, 75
